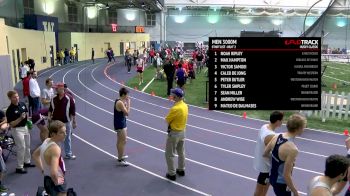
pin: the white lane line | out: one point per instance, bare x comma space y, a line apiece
344, 70
337, 79
149, 83
140, 168
160, 131
189, 125
190, 160
219, 121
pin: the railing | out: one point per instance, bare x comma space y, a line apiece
333, 106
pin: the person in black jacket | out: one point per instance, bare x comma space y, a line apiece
31, 64
169, 71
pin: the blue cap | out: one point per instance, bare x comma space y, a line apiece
178, 92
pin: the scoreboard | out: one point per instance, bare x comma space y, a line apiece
264, 73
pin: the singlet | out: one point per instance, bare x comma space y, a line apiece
180, 74
315, 182
47, 172
262, 164
119, 118
139, 64
277, 165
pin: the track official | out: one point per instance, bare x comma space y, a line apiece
176, 119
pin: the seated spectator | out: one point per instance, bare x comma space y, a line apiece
3, 126
3, 121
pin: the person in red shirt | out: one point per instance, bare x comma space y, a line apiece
152, 54
26, 91
194, 54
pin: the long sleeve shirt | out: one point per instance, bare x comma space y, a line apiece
34, 88
62, 109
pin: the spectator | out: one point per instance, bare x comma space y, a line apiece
135, 56
93, 55
16, 115
3, 127
199, 61
24, 70
31, 64
112, 55
26, 92
169, 71
35, 92
62, 108
47, 94
62, 57
66, 56
176, 120
159, 63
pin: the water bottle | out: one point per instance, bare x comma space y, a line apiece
29, 124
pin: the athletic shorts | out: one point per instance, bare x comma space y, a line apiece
263, 178
119, 130
52, 189
140, 71
180, 83
281, 190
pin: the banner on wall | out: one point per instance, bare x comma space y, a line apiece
42, 23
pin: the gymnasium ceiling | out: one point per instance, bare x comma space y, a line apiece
227, 7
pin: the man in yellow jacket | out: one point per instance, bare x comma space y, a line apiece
176, 119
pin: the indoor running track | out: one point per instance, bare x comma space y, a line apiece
219, 146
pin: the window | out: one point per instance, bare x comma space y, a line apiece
150, 19
112, 15
72, 13
28, 6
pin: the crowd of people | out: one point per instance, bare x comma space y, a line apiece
66, 56
170, 63
52, 110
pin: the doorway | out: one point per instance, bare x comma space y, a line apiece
24, 54
15, 72
121, 48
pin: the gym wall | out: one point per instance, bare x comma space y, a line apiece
100, 42
22, 44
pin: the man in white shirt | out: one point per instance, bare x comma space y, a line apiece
261, 164
47, 94
24, 69
34, 91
